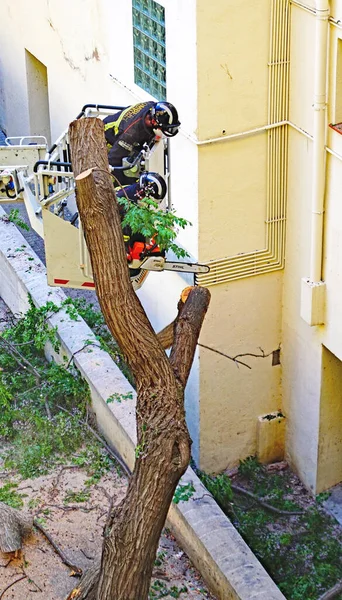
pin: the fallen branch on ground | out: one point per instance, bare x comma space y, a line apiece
267, 506
11, 584
111, 452
332, 593
75, 570
16, 526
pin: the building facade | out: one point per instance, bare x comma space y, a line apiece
255, 168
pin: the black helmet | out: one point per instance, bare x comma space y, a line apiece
166, 118
153, 185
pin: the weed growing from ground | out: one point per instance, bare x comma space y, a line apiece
159, 589
78, 497
42, 405
14, 217
303, 554
183, 493
10, 496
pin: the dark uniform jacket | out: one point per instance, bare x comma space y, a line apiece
126, 132
129, 191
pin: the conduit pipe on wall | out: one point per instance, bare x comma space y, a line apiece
271, 256
319, 134
312, 307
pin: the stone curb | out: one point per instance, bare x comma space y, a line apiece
204, 532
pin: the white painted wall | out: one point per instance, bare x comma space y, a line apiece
66, 38
309, 394
87, 48
217, 77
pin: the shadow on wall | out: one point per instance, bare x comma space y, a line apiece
2, 106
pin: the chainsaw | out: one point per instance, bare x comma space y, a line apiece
151, 258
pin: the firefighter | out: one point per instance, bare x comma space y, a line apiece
151, 185
128, 130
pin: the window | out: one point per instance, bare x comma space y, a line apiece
149, 47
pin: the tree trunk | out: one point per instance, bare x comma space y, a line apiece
15, 526
133, 528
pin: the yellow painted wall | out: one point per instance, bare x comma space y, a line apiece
232, 53
244, 315
232, 178
330, 431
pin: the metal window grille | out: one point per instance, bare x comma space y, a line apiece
149, 47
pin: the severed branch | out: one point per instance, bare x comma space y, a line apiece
187, 328
19, 358
111, 452
16, 526
11, 584
74, 569
265, 505
166, 337
332, 593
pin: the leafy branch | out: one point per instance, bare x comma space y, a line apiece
154, 223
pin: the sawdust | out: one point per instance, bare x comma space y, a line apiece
77, 529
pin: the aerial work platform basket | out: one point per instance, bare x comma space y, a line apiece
43, 180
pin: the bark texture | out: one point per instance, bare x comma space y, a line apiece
15, 526
133, 528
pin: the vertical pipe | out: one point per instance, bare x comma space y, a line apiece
319, 130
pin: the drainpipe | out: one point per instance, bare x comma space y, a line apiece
313, 289
320, 103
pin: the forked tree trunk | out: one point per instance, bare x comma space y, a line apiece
133, 528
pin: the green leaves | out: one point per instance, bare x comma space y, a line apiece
10, 496
32, 392
14, 217
33, 328
183, 493
116, 397
152, 222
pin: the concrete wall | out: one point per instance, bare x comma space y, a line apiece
311, 371
218, 78
244, 315
65, 37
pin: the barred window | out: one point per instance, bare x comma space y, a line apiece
149, 47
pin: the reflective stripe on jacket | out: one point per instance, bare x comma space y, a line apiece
126, 132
